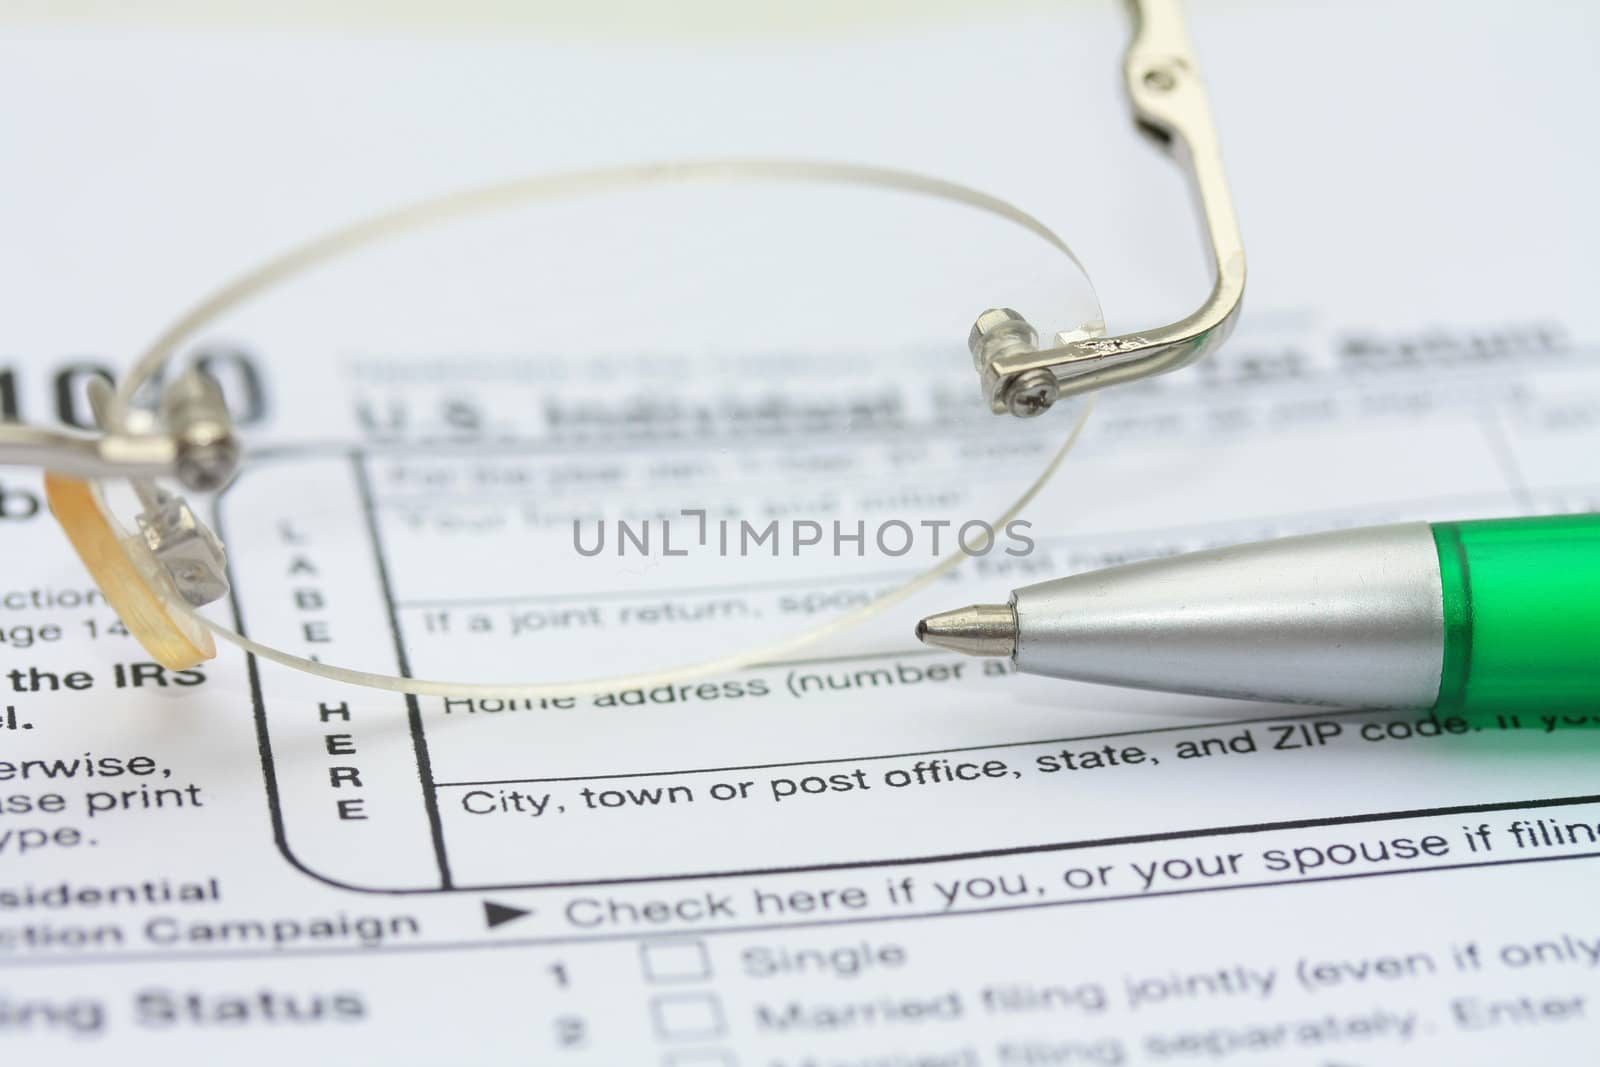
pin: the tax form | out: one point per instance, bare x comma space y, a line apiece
876, 855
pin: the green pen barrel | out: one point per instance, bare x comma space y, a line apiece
1522, 617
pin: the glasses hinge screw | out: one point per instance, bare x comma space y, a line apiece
1002, 332
196, 415
1032, 393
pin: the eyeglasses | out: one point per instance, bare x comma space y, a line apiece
680, 379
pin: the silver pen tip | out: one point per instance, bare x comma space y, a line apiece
977, 630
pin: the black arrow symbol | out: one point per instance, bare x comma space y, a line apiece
500, 914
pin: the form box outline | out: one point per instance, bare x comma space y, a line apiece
358, 456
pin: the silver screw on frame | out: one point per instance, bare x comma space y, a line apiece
1002, 332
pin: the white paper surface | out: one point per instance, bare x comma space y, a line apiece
897, 858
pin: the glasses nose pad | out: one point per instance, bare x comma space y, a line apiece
134, 582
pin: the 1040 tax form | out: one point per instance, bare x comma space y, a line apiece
877, 854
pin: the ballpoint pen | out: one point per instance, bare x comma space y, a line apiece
1493, 617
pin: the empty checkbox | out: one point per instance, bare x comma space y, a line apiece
688, 1016
675, 961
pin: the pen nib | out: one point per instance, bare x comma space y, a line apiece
977, 630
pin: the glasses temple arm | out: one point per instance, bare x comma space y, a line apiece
198, 447
1170, 104
107, 456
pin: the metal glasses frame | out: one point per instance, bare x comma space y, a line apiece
193, 438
